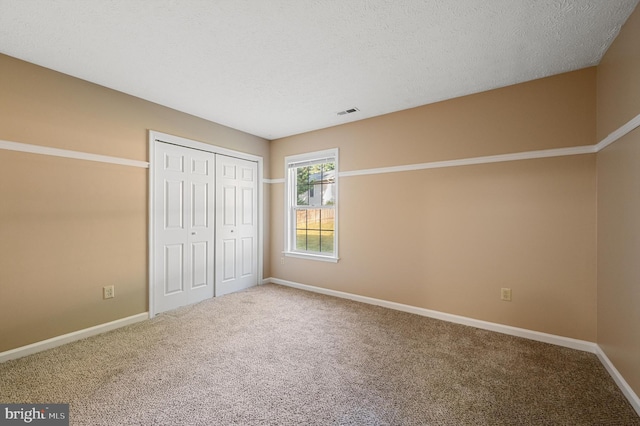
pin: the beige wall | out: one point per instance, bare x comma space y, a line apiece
70, 227
619, 205
542, 114
449, 239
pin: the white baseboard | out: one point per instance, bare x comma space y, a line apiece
567, 342
581, 345
620, 381
70, 337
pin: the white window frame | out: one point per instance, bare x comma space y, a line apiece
290, 200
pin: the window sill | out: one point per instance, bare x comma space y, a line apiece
309, 256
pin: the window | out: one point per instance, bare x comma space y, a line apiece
311, 188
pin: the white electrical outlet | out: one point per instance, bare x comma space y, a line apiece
108, 292
505, 294
282, 260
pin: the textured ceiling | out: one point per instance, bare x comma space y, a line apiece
275, 68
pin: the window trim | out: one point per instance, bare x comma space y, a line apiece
289, 206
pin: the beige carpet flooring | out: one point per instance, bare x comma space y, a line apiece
272, 355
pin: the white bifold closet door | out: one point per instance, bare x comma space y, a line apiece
205, 225
236, 224
183, 226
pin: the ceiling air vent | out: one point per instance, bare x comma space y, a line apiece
348, 111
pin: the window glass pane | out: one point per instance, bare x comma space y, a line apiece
326, 242
301, 219
308, 241
302, 186
328, 220
328, 194
315, 194
315, 229
301, 240
328, 184
315, 185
